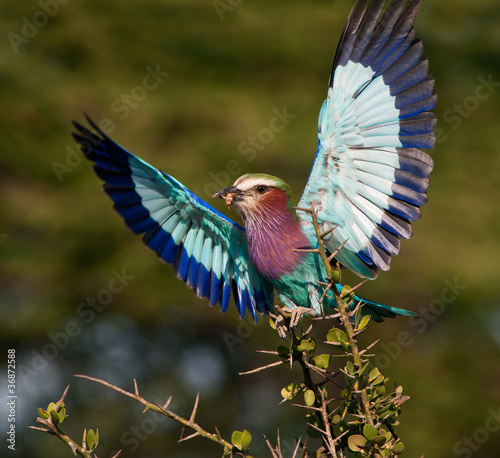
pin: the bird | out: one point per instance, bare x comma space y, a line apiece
368, 182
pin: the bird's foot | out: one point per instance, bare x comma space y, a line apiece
288, 319
297, 314
282, 326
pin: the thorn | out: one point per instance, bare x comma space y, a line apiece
195, 408
259, 369
59, 403
354, 288
299, 440
169, 400
324, 234
136, 388
336, 252
308, 407
84, 440
317, 428
308, 210
218, 433
45, 430
273, 452
306, 250
196, 433
372, 345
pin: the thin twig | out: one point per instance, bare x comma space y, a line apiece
199, 431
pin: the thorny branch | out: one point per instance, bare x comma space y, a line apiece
360, 420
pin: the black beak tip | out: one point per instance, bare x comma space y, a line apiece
224, 192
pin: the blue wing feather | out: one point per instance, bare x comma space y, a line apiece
369, 180
208, 250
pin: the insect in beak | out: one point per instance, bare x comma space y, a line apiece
229, 194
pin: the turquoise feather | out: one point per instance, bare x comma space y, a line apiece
367, 184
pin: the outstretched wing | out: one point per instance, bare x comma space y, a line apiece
208, 251
368, 178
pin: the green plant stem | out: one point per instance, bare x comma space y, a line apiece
365, 402
344, 314
51, 428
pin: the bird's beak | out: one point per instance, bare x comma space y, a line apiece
229, 194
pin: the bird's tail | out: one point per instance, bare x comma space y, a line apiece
380, 311
377, 311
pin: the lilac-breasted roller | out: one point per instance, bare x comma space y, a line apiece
367, 183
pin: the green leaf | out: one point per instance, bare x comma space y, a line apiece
356, 443
51, 406
357, 317
58, 416
346, 296
62, 414
241, 440
336, 419
306, 345
55, 416
290, 391
379, 440
364, 323
312, 419
272, 323
335, 275
338, 337
92, 439
369, 432
322, 361
246, 440
309, 398
373, 374
362, 370
398, 448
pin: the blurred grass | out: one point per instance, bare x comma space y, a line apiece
225, 78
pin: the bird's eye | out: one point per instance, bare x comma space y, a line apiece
261, 189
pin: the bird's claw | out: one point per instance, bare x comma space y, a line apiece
288, 320
297, 314
282, 327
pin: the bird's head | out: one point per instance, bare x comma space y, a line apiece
252, 193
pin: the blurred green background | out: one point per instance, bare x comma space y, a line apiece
229, 65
